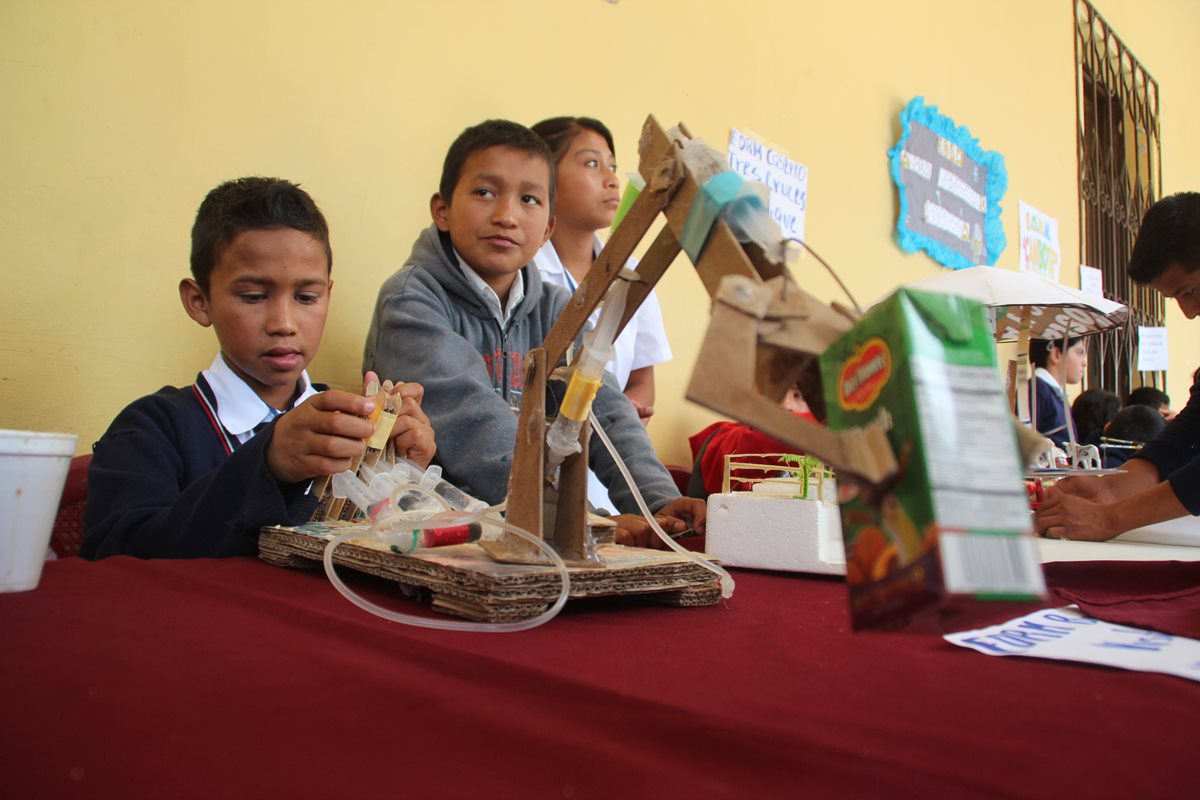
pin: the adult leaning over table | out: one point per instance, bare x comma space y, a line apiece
1162, 481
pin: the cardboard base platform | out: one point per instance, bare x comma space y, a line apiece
464, 582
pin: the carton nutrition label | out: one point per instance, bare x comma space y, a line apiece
970, 452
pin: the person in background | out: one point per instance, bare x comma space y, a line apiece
1092, 410
1058, 363
587, 195
1157, 399
1162, 481
1129, 430
711, 446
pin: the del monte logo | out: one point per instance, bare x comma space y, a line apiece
864, 375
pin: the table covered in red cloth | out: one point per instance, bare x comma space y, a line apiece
1158, 595
232, 678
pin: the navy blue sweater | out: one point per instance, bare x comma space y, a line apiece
1051, 413
164, 484
1176, 453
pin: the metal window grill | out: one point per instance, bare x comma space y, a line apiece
1120, 177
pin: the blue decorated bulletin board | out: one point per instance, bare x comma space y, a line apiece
950, 190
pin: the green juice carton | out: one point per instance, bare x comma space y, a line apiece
955, 521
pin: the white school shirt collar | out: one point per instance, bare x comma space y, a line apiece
547, 260
1044, 374
238, 408
515, 294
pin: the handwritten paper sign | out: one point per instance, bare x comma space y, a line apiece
1065, 634
950, 190
1091, 280
1152, 349
787, 179
1040, 253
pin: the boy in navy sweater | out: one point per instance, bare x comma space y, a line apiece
1056, 363
195, 472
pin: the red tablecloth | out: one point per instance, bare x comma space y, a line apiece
1159, 595
233, 678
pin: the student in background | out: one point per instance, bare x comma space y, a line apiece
1154, 398
468, 305
586, 196
1162, 481
195, 472
1129, 430
1092, 410
711, 446
1057, 363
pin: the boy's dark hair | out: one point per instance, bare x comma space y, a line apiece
1169, 235
559, 132
492, 133
1135, 424
251, 204
1039, 350
1092, 410
1149, 396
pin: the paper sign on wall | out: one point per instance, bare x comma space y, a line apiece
1067, 635
1091, 280
1152, 349
1039, 252
787, 179
949, 187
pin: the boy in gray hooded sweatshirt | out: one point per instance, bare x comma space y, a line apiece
465, 308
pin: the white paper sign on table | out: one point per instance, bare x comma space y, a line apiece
1065, 634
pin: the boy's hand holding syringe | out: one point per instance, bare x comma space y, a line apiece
327, 433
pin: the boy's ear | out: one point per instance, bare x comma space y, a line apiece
439, 209
194, 301
549, 229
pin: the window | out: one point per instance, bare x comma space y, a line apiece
1120, 177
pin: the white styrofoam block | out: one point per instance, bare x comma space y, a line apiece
748, 529
788, 487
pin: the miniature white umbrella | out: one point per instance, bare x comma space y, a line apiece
1026, 305
1053, 310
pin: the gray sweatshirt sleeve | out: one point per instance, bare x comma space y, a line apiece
620, 421
412, 337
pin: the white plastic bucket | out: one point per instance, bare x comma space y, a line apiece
33, 469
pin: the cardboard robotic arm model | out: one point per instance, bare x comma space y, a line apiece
765, 335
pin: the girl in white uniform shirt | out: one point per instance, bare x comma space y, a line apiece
587, 194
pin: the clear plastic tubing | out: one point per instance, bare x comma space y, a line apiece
448, 624
727, 584
563, 437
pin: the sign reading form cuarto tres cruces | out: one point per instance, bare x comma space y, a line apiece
950, 190
756, 160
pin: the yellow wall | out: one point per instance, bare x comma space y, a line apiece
118, 117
